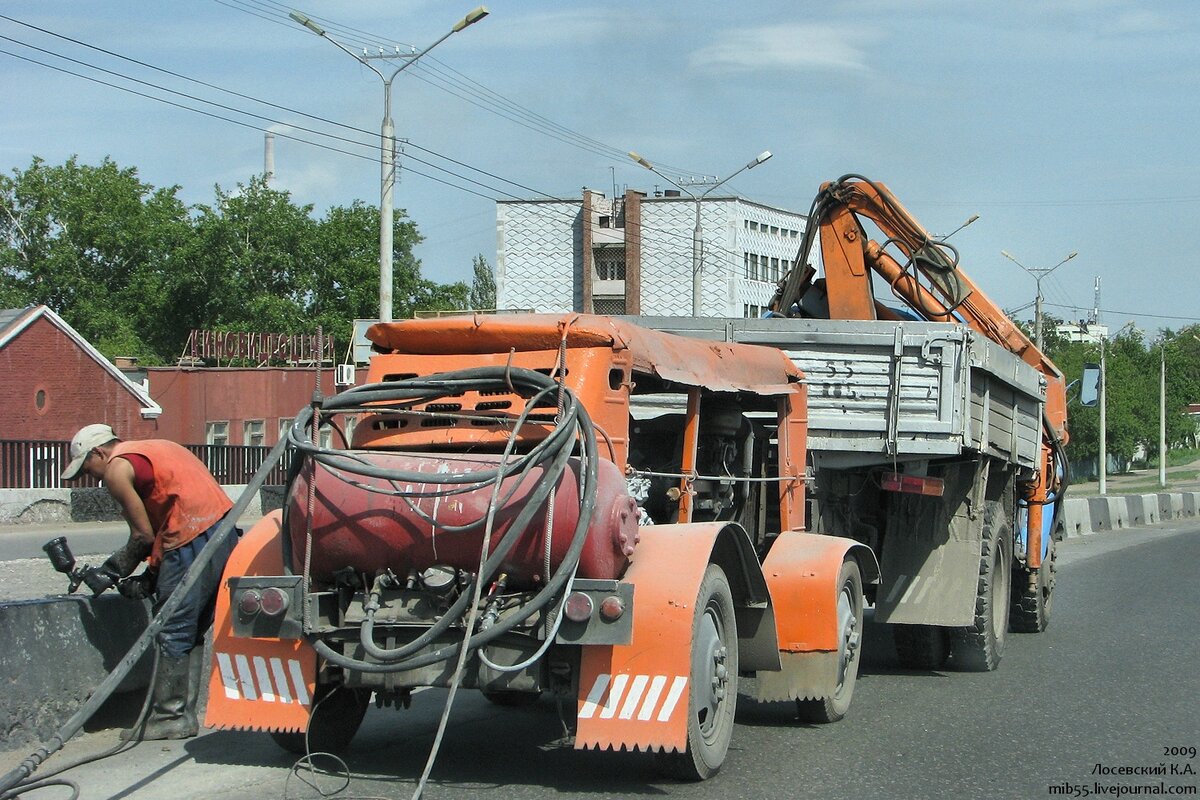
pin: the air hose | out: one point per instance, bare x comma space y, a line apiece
553, 453
72, 726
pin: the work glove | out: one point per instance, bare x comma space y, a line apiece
101, 578
138, 587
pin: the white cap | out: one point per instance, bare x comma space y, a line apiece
89, 438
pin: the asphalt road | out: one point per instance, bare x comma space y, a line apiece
1113, 682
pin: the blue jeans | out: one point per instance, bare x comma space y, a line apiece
185, 628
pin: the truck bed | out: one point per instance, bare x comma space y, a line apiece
881, 391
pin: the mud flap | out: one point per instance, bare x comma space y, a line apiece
802, 572
258, 684
931, 555
636, 696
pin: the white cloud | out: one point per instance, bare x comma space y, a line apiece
790, 48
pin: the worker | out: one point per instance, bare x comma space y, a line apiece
173, 505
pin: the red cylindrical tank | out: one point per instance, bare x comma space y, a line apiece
368, 531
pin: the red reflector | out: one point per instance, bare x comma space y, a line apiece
612, 607
250, 602
274, 601
912, 484
578, 607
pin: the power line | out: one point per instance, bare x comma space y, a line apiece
1131, 313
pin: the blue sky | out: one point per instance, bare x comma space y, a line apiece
1067, 126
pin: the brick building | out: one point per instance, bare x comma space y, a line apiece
56, 382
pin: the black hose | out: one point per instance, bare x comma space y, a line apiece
73, 725
574, 424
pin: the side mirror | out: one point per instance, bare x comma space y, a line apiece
1089, 386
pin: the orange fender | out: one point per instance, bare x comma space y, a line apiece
258, 684
635, 696
802, 572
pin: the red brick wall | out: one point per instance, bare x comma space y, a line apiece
192, 397
74, 390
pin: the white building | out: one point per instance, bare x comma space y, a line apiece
633, 254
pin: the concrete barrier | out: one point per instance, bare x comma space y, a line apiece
1170, 505
56, 651
1107, 513
1191, 504
91, 504
1141, 509
1077, 520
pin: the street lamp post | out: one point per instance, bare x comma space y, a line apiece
697, 232
387, 141
1038, 274
1162, 415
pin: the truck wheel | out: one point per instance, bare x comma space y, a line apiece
712, 689
921, 647
979, 647
337, 713
850, 632
1031, 606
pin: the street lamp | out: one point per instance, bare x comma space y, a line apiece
1038, 274
969, 220
387, 141
697, 233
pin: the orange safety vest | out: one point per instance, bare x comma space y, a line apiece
184, 500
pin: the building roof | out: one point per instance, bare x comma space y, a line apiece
13, 321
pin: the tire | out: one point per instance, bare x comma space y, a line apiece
850, 632
1031, 606
980, 647
921, 647
510, 699
713, 682
337, 713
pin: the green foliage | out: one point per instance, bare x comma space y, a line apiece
483, 285
1132, 410
135, 270
91, 243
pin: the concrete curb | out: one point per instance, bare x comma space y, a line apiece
57, 650
90, 504
1086, 515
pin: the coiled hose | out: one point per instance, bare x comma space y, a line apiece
553, 454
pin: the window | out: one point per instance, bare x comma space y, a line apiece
608, 306
605, 222
774, 276
254, 433
752, 274
284, 424
610, 264
751, 311
753, 226
216, 433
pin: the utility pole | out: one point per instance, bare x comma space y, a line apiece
697, 232
1162, 414
387, 140
268, 158
1103, 420
1038, 274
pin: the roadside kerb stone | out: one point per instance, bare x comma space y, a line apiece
57, 650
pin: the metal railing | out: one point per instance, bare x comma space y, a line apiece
34, 464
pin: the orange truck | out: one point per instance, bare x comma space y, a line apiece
936, 428
573, 506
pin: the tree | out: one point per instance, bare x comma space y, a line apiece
135, 270
483, 285
93, 243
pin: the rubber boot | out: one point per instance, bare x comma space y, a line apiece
173, 709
